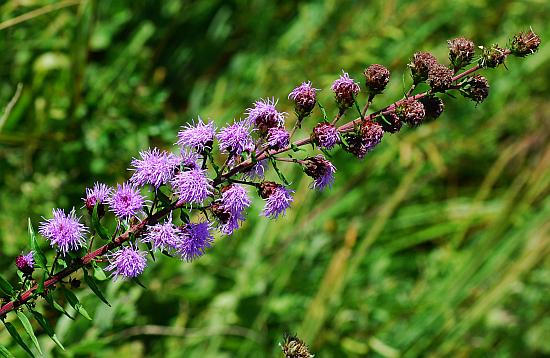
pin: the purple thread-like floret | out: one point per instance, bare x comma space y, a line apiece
257, 171
234, 200
345, 90
64, 231
126, 201
128, 262
192, 186
163, 236
264, 115
304, 97
278, 138
154, 167
326, 135
98, 194
195, 240
25, 263
189, 159
373, 136
325, 178
198, 136
277, 203
236, 138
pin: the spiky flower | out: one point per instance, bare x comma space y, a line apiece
198, 136
127, 262
257, 170
278, 138
390, 122
64, 231
25, 263
364, 139
192, 186
164, 237
278, 199
440, 78
325, 135
304, 97
433, 106
411, 112
475, 87
154, 167
264, 115
376, 78
525, 43
420, 65
345, 90
294, 347
233, 203
97, 195
126, 201
189, 160
236, 138
321, 170
195, 240
461, 52
492, 56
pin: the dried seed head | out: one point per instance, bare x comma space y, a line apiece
420, 65
525, 43
390, 122
440, 78
461, 51
492, 56
376, 78
433, 106
411, 112
220, 212
325, 135
475, 87
364, 139
294, 347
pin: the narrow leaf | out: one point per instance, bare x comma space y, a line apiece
57, 306
13, 332
97, 225
136, 280
46, 325
38, 255
95, 289
5, 353
322, 110
6, 287
28, 327
41, 281
99, 274
75, 303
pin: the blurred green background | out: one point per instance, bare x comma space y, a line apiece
435, 245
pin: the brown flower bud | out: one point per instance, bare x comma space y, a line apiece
475, 87
461, 52
294, 347
376, 78
411, 112
492, 56
433, 106
420, 65
364, 139
390, 122
440, 78
525, 43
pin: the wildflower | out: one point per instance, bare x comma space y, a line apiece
97, 195
376, 78
475, 87
229, 210
154, 167
433, 106
345, 91
492, 56
189, 160
278, 199
325, 135
257, 170
525, 43
278, 138
192, 186
126, 201
265, 116
164, 236
304, 97
363, 140
321, 170
64, 231
411, 112
294, 347
128, 262
25, 263
440, 78
196, 239
236, 138
461, 52
390, 122
198, 136
420, 65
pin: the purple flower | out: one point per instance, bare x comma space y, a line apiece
25, 263
192, 186
321, 170
304, 97
97, 195
126, 201
128, 262
236, 138
326, 135
155, 167
363, 140
163, 236
189, 159
345, 90
199, 136
257, 170
278, 199
64, 231
264, 115
233, 202
278, 138
196, 239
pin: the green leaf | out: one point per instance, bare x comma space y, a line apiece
165, 200
46, 325
28, 327
279, 173
75, 303
13, 332
57, 306
99, 274
6, 287
5, 353
38, 255
95, 289
97, 225
136, 280
322, 110
41, 281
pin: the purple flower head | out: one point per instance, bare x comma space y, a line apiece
154, 167
25, 263
360, 142
126, 201
278, 199
264, 115
321, 170
97, 195
64, 231
304, 97
189, 160
236, 138
257, 170
278, 138
195, 240
198, 136
163, 236
192, 186
345, 90
233, 202
326, 135
128, 262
